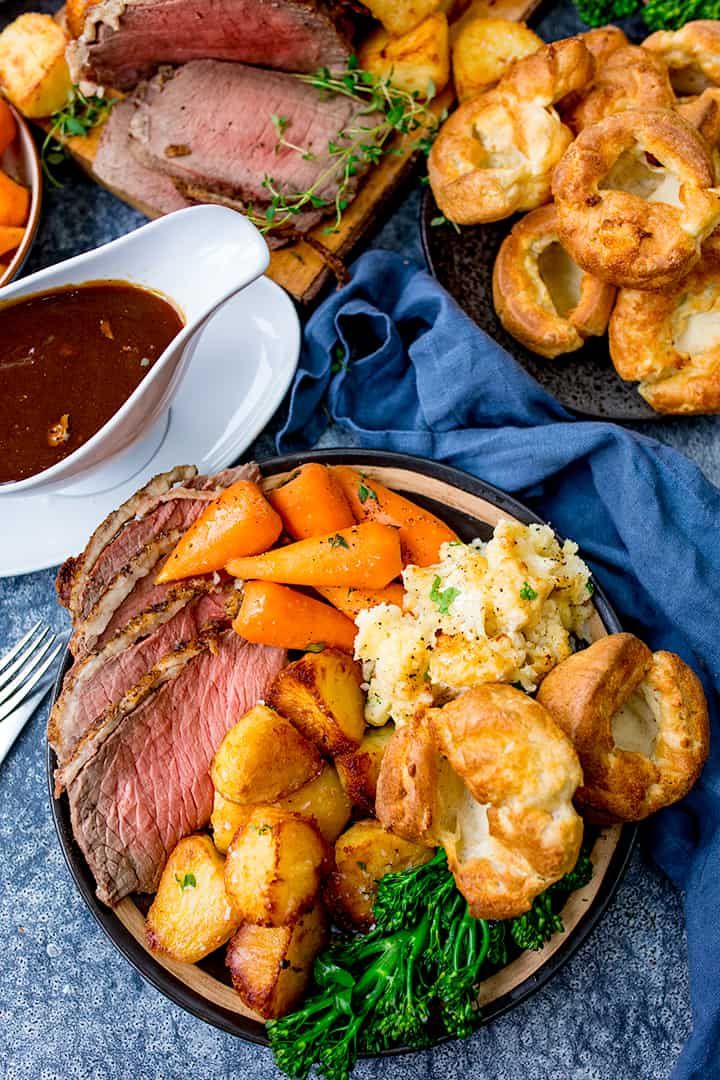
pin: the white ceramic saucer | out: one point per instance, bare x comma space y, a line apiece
239, 375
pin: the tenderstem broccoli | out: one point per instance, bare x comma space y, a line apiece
656, 14
421, 962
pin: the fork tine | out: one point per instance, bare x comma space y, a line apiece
12, 703
11, 653
24, 665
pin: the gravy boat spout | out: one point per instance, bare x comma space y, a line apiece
197, 258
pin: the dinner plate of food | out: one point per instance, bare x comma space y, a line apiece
581, 181
348, 750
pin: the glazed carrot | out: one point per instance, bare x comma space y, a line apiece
350, 601
239, 522
421, 533
8, 127
272, 614
312, 503
366, 557
14, 201
9, 238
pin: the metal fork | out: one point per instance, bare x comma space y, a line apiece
21, 669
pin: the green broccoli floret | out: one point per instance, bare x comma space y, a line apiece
580, 875
536, 926
601, 12
672, 14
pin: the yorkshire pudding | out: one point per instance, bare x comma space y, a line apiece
541, 296
630, 78
692, 54
634, 198
496, 153
638, 721
490, 778
670, 342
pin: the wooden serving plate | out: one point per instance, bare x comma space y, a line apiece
472, 508
298, 267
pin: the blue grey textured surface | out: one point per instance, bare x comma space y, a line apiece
70, 1005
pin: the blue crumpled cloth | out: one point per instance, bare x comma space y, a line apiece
400, 366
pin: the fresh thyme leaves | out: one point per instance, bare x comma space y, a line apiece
590, 587
187, 881
340, 363
527, 592
365, 493
78, 116
338, 541
363, 143
440, 219
442, 600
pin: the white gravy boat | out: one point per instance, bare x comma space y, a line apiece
198, 258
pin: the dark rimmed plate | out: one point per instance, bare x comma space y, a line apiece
471, 507
585, 382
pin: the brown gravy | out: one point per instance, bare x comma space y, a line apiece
69, 359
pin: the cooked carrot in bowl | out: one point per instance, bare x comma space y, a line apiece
14, 201
272, 614
312, 503
8, 126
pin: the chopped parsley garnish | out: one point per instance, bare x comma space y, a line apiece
442, 600
365, 493
527, 592
262, 830
316, 646
338, 541
187, 881
590, 586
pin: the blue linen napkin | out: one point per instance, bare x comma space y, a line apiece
400, 366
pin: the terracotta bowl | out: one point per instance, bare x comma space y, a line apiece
21, 161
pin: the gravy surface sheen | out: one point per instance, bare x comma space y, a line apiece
69, 359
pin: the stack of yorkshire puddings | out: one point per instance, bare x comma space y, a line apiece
613, 148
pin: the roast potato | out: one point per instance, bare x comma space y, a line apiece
320, 693
274, 866
33, 72
270, 965
418, 62
191, 915
322, 800
400, 16
359, 769
483, 51
364, 854
263, 758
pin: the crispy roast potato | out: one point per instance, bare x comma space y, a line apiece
33, 71
320, 693
418, 62
359, 769
191, 916
400, 16
483, 51
75, 12
364, 854
322, 800
273, 866
263, 758
270, 965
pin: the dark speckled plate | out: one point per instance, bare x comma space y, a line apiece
584, 382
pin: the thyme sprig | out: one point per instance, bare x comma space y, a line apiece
78, 116
353, 148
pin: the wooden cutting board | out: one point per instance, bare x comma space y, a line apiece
299, 268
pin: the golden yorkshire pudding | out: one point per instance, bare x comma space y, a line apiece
629, 78
602, 42
638, 721
692, 55
496, 153
541, 296
670, 341
634, 198
703, 112
490, 778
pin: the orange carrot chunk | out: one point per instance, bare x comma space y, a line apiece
350, 601
8, 127
10, 238
239, 522
365, 557
14, 201
312, 503
272, 614
421, 533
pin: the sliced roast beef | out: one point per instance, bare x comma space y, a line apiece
125, 40
120, 170
210, 126
139, 780
97, 682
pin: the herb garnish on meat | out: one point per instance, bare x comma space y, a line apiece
78, 116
